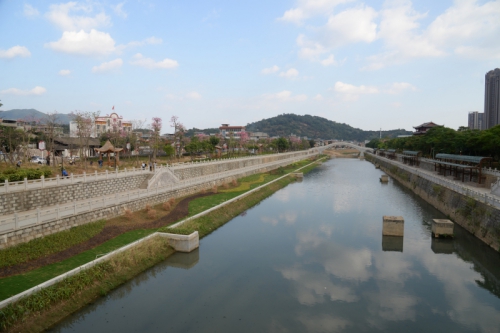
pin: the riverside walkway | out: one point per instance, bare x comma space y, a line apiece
480, 193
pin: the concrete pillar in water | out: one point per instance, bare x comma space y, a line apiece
384, 179
183, 243
393, 226
298, 174
377, 166
442, 227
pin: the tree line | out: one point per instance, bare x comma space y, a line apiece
447, 140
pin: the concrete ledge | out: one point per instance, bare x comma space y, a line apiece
442, 227
393, 226
183, 243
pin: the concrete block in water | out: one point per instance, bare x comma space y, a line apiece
384, 178
298, 174
183, 243
442, 227
393, 226
377, 166
392, 243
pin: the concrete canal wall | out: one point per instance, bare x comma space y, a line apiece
116, 208
479, 218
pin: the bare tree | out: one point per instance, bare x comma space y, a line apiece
51, 121
138, 124
85, 129
156, 127
179, 131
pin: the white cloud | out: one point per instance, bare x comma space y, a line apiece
329, 61
398, 87
193, 95
64, 72
351, 92
290, 74
30, 11
60, 15
108, 66
308, 8
140, 60
149, 40
318, 97
270, 70
118, 9
15, 51
14, 91
94, 43
286, 96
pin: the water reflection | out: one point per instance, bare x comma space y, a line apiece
309, 259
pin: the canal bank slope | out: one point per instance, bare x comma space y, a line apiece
479, 218
42, 309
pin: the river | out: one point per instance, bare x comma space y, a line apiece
311, 258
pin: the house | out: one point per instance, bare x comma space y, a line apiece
256, 136
234, 131
422, 129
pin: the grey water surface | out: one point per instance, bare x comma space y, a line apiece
311, 258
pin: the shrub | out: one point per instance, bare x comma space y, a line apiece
234, 182
172, 201
152, 214
225, 185
128, 213
148, 207
166, 206
214, 189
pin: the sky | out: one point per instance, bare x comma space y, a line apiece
370, 64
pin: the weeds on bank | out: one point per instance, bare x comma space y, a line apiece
31, 312
41, 247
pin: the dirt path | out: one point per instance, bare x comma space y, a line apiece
108, 232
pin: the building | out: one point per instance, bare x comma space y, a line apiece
107, 123
226, 131
256, 136
32, 126
491, 99
475, 120
422, 129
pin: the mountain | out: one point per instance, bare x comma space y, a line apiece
32, 114
316, 127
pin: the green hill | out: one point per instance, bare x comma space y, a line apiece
316, 127
32, 114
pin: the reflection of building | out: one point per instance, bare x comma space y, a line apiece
475, 120
227, 131
492, 98
105, 124
422, 129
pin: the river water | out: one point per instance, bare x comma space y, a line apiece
311, 258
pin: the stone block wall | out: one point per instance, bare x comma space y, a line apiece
203, 169
41, 230
480, 219
49, 196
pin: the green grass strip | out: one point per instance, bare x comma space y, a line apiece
16, 284
41, 247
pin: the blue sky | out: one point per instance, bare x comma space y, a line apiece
373, 64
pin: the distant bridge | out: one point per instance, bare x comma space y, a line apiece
362, 150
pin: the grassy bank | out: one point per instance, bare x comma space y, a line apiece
41, 310
36, 319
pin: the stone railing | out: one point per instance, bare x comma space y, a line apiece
18, 221
43, 182
450, 184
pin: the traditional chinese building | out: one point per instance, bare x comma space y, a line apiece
422, 129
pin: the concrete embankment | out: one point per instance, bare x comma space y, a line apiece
479, 218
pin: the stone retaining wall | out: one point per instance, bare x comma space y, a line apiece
50, 196
32, 232
480, 219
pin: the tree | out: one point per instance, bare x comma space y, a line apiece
51, 122
281, 144
169, 150
156, 127
179, 131
214, 141
136, 126
10, 141
85, 129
